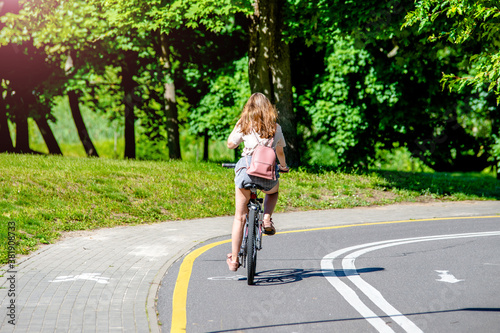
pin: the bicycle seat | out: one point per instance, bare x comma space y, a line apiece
252, 185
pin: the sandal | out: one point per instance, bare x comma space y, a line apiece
269, 228
233, 265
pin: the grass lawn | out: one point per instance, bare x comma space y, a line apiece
47, 195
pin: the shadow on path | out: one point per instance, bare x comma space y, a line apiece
358, 318
284, 276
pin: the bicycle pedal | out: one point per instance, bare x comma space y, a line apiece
261, 200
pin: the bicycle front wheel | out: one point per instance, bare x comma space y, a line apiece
251, 246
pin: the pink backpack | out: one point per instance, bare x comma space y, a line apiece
263, 161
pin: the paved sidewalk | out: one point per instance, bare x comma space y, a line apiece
106, 280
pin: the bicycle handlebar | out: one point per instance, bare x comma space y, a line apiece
229, 165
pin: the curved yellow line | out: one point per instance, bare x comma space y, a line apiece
179, 299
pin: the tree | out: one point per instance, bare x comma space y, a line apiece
80, 124
475, 25
5, 138
73, 97
129, 86
26, 76
380, 88
79, 27
269, 67
219, 109
172, 115
158, 19
216, 86
41, 71
476, 22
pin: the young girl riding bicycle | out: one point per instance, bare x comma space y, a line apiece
257, 124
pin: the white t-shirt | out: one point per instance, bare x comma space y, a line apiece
250, 140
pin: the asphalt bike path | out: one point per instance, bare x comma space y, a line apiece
431, 275
108, 280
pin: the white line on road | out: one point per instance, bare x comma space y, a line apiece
373, 294
228, 278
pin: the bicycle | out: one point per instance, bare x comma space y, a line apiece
252, 232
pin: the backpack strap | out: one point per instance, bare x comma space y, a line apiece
260, 143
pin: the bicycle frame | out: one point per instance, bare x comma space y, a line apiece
254, 204
252, 231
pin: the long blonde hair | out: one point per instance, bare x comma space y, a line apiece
259, 115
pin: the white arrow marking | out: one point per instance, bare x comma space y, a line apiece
84, 276
447, 277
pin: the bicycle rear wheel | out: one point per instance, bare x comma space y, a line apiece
251, 246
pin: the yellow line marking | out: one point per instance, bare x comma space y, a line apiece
387, 222
179, 299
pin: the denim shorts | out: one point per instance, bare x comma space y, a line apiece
243, 180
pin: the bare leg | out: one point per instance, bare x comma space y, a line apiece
270, 202
242, 197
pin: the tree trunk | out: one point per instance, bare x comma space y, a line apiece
259, 49
171, 113
80, 125
269, 68
22, 133
282, 82
129, 86
48, 135
206, 141
495, 129
5, 139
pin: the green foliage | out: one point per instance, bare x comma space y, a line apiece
496, 149
380, 88
157, 15
98, 34
66, 25
399, 159
464, 22
340, 100
308, 20
219, 109
100, 91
